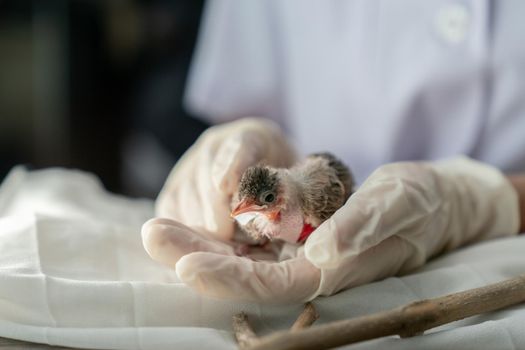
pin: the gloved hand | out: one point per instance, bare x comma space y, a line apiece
406, 213
198, 192
402, 215
199, 189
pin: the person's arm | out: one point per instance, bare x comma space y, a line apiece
518, 181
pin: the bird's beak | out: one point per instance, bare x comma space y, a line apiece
245, 206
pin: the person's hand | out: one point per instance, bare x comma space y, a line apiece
403, 214
193, 211
199, 189
406, 213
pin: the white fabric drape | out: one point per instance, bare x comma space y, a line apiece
73, 272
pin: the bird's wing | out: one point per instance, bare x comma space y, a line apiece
325, 185
341, 170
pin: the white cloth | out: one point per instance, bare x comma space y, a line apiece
73, 272
371, 81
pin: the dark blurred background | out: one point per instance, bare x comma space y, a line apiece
97, 85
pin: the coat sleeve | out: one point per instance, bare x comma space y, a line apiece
234, 69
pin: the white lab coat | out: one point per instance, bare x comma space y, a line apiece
371, 81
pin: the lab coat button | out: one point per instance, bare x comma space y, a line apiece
453, 22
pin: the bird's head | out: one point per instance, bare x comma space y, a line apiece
260, 191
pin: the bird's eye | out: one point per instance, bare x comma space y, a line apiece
268, 197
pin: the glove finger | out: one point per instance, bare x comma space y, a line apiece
234, 156
388, 258
215, 205
257, 140
364, 221
334, 240
232, 277
166, 241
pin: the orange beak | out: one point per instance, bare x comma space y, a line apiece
247, 205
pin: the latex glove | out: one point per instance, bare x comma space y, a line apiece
199, 189
406, 213
402, 215
195, 206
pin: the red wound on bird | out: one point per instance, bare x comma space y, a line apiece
307, 230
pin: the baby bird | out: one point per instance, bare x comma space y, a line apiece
290, 203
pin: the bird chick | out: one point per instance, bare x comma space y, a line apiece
290, 203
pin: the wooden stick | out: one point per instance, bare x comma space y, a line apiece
306, 318
244, 333
406, 321
247, 338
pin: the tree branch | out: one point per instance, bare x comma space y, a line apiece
246, 337
406, 321
244, 333
306, 318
